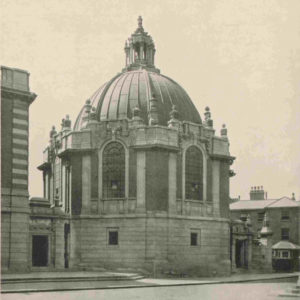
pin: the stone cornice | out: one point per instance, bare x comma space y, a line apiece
44, 166
22, 95
222, 157
66, 153
158, 145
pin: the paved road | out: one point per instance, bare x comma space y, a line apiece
244, 291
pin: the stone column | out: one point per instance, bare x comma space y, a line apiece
172, 183
141, 182
86, 184
216, 187
142, 52
63, 186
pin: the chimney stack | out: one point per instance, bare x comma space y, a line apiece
257, 193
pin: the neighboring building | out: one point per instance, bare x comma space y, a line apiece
139, 182
283, 223
15, 100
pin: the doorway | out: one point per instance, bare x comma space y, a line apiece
241, 254
40, 250
66, 251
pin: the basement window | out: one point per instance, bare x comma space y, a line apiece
113, 236
195, 238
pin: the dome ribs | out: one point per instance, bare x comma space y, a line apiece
97, 95
163, 114
77, 124
103, 94
115, 99
124, 97
174, 95
143, 96
107, 100
192, 114
133, 93
148, 91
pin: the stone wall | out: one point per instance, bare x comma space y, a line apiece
15, 100
156, 244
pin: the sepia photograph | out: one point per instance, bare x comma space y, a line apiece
150, 149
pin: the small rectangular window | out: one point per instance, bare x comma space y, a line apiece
113, 236
194, 237
285, 254
260, 216
243, 217
285, 233
285, 215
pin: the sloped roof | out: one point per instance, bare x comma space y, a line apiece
251, 204
285, 202
286, 245
262, 204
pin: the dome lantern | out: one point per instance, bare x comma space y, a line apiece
140, 49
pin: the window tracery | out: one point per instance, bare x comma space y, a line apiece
113, 175
193, 174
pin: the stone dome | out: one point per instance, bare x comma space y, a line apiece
139, 85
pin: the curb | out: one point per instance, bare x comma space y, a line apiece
147, 285
70, 279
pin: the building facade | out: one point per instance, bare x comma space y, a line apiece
15, 101
140, 181
275, 220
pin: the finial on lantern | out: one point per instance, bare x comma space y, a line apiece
140, 22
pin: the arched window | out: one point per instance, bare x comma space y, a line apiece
113, 174
193, 174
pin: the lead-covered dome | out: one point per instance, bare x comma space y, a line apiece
139, 86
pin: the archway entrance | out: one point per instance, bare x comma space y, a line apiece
40, 250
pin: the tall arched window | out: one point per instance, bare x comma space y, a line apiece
193, 174
113, 174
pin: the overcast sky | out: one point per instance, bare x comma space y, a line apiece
240, 58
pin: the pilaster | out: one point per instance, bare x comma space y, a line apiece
172, 183
86, 183
141, 181
216, 187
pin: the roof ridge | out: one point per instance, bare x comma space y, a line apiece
273, 202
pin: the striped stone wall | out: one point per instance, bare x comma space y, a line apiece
20, 145
15, 101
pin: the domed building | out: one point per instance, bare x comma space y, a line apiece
140, 182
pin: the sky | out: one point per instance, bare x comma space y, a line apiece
239, 57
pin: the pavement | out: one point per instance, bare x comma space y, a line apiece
72, 281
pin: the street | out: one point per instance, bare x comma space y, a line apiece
245, 291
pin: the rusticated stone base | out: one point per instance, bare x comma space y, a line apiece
159, 245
